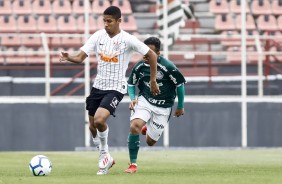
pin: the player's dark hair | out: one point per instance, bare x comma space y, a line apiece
153, 41
113, 11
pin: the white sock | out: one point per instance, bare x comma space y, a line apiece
103, 136
96, 141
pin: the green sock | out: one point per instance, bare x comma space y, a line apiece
133, 147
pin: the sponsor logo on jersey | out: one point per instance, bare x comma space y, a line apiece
173, 79
158, 126
108, 58
114, 103
134, 79
158, 102
162, 67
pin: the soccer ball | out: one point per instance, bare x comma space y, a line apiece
40, 165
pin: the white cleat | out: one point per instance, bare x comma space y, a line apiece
105, 163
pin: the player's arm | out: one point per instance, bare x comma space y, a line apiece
85, 50
180, 96
152, 58
78, 58
131, 93
179, 80
131, 86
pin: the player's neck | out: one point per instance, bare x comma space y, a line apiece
114, 33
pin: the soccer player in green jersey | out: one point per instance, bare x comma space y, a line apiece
151, 113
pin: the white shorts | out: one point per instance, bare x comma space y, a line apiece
156, 118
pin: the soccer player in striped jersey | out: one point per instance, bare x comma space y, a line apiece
114, 48
150, 114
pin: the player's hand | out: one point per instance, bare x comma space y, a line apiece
132, 105
64, 56
154, 88
179, 112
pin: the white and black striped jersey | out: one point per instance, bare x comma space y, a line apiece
113, 55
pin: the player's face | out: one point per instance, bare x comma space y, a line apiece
153, 48
111, 25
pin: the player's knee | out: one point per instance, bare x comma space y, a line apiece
91, 127
91, 123
134, 128
150, 141
99, 121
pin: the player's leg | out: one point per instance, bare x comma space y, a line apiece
150, 141
102, 129
107, 107
134, 143
137, 120
157, 124
144, 130
105, 160
93, 130
92, 104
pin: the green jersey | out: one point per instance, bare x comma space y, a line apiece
168, 78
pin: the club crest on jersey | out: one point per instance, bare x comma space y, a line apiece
160, 75
116, 46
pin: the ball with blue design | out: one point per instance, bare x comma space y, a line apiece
40, 165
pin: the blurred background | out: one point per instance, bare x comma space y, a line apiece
230, 54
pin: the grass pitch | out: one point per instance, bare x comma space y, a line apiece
247, 166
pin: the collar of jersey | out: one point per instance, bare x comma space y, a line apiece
148, 64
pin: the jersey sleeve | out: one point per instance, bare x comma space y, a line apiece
90, 44
134, 75
138, 46
176, 76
